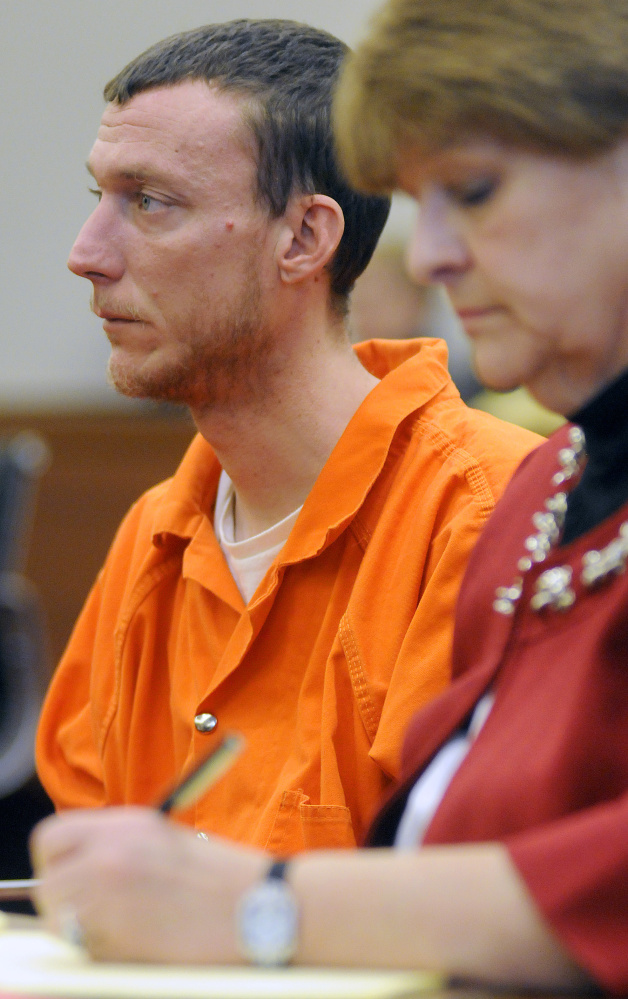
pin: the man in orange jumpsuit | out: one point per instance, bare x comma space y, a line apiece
295, 580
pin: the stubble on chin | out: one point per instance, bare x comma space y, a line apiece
231, 366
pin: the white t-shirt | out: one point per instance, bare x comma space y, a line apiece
430, 788
248, 560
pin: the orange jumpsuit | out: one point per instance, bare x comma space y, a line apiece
347, 635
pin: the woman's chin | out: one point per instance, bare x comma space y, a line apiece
495, 378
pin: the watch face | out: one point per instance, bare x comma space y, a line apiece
267, 920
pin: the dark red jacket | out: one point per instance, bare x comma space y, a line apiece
548, 774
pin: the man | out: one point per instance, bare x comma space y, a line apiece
295, 580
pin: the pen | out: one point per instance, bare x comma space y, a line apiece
189, 790
202, 776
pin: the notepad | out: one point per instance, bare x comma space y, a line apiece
36, 963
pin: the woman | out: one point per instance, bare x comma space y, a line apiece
508, 121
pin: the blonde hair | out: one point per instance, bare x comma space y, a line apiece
549, 75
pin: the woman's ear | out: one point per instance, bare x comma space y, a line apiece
314, 228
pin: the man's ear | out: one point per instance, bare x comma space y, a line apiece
314, 227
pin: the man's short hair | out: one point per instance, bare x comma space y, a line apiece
286, 72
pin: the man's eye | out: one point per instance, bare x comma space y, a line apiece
146, 203
96, 191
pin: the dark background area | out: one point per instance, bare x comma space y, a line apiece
99, 464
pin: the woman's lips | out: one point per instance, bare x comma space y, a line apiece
472, 315
472, 312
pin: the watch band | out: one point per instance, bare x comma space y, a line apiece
277, 870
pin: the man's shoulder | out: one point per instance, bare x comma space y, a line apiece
480, 432
415, 371
473, 437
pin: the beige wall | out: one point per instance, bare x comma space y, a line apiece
55, 56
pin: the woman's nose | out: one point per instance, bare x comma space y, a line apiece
437, 252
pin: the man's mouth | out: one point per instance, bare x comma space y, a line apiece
115, 315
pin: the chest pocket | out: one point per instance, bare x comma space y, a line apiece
301, 826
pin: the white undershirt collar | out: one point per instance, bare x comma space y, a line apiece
248, 560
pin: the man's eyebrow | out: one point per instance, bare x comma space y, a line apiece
137, 174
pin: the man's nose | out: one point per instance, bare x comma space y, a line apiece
437, 252
96, 254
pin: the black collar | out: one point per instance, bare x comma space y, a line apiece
603, 487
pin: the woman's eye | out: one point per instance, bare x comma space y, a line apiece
476, 192
96, 191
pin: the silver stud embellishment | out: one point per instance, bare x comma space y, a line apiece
552, 589
507, 596
597, 566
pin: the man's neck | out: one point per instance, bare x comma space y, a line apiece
273, 447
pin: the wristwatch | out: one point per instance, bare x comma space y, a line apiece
267, 919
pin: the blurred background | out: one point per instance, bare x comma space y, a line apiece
97, 452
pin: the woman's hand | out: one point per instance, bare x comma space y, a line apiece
140, 887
